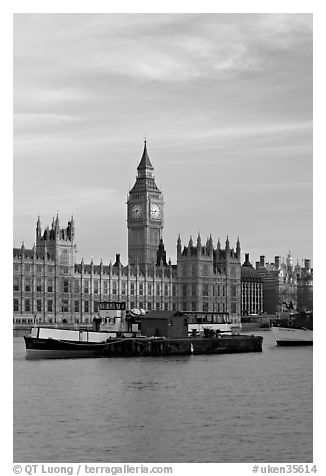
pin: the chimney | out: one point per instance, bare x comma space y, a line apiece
307, 264
117, 260
262, 262
247, 262
277, 261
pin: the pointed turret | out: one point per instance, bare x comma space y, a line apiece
227, 244
179, 244
191, 243
238, 248
198, 244
38, 228
72, 226
57, 225
218, 246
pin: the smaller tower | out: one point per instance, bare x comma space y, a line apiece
238, 249
38, 228
179, 244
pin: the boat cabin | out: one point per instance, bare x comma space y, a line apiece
171, 324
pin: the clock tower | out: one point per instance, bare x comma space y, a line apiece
144, 215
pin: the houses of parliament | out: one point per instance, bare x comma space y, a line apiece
49, 286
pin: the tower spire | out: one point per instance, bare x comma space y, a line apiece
145, 162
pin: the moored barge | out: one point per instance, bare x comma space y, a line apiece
160, 333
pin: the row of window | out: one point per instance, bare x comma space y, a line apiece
64, 306
203, 270
192, 290
76, 306
66, 285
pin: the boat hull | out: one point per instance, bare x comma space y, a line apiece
289, 336
137, 347
37, 348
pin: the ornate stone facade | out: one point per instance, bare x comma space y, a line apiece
51, 287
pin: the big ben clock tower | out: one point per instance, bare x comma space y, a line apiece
144, 215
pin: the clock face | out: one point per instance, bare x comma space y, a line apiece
136, 211
155, 211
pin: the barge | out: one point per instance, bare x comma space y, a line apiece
120, 334
293, 329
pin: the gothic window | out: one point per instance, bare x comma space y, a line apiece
157, 306
66, 286
223, 291
50, 305
86, 306
27, 285
95, 306
233, 307
149, 306
50, 286
16, 284
150, 289
38, 269
132, 289
174, 290
193, 306
233, 290
96, 286
166, 306
205, 306
16, 305
166, 290
86, 287
50, 269
123, 289
76, 286
27, 269
105, 287
39, 305
184, 290
76, 305
27, 305
141, 305
64, 305
141, 290
158, 290
114, 287
194, 270
205, 290
39, 286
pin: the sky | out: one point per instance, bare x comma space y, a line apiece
225, 102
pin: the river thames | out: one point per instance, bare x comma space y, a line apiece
255, 407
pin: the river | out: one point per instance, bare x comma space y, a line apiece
254, 407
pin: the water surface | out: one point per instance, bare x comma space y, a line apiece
254, 407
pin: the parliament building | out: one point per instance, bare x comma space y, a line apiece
49, 286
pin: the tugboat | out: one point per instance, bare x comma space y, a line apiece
49, 342
295, 328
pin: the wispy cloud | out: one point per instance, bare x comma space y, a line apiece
225, 100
